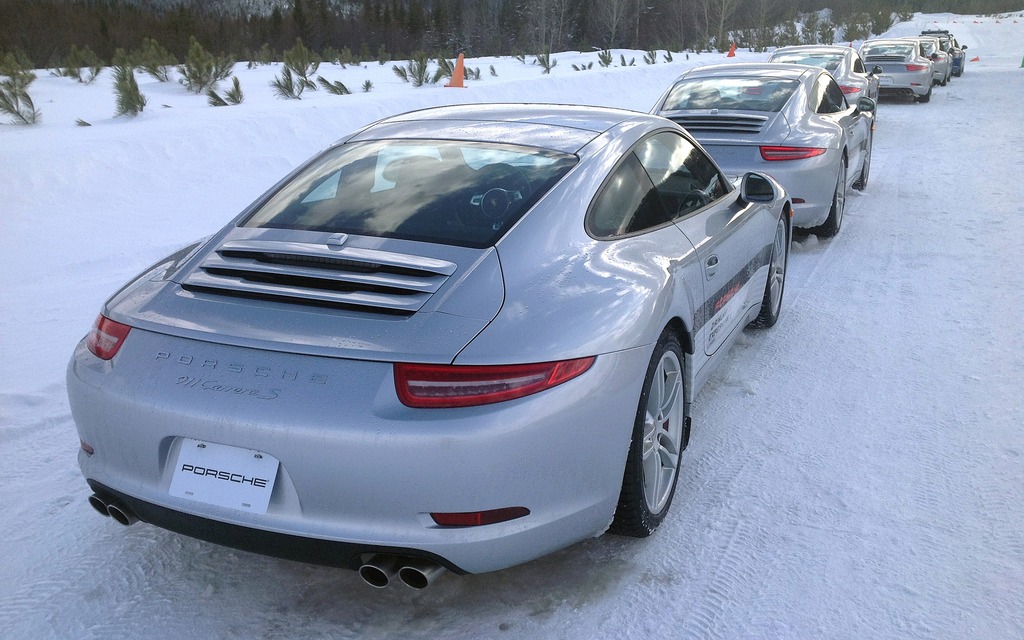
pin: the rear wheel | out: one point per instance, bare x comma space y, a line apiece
835, 215
771, 304
926, 97
865, 167
659, 434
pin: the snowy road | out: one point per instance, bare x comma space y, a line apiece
855, 472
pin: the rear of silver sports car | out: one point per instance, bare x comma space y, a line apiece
299, 441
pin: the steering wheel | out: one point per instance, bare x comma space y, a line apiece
505, 187
694, 200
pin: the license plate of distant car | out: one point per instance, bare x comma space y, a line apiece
226, 476
884, 80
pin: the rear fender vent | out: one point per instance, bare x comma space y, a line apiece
315, 275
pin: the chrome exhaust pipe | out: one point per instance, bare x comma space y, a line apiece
419, 573
99, 504
120, 513
379, 570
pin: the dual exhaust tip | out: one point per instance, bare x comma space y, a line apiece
415, 573
114, 508
377, 572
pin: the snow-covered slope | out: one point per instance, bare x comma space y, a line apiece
855, 472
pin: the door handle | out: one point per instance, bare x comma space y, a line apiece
711, 266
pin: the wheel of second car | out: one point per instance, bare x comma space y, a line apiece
771, 304
652, 465
865, 167
834, 221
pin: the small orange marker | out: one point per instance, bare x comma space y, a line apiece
732, 51
458, 74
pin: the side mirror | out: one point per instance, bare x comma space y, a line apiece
866, 104
933, 57
877, 70
963, 47
757, 188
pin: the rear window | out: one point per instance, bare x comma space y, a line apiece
459, 193
829, 61
745, 94
880, 50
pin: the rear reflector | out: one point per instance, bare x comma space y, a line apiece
432, 386
106, 337
86, 447
774, 154
916, 67
478, 518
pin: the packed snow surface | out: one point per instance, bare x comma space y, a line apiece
855, 472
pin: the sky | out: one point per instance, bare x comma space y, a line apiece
855, 472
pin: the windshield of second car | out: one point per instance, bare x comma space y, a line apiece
877, 50
460, 193
829, 61
745, 94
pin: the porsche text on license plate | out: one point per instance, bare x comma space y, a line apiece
225, 476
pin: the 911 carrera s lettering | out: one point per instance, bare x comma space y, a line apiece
189, 382
224, 475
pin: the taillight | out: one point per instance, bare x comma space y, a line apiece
774, 154
431, 386
916, 67
848, 90
106, 337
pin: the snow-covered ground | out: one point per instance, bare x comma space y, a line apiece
856, 472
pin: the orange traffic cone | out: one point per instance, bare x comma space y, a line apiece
976, 59
458, 74
732, 51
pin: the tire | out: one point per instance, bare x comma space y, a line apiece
659, 436
834, 221
771, 304
926, 97
865, 167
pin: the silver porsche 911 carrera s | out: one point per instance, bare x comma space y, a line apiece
788, 120
460, 338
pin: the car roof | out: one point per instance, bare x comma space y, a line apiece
830, 48
754, 69
564, 128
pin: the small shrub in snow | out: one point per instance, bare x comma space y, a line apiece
604, 58
651, 57
494, 72
416, 71
583, 67
81, 64
202, 70
130, 101
668, 56
286, 85
155, 60
302, 63
336, 88
232, 96
367, 86
546, 61
15, 78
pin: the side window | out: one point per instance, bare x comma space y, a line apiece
828, 96
684, 177
858, 65
627, 203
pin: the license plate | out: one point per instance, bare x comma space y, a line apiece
884, 80
226, 476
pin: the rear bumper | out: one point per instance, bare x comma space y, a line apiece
359, 472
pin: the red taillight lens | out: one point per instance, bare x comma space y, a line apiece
106, 337
478, 518
775, 154
848, 90
916, 67
442, 386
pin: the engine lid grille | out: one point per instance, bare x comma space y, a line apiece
889, 58
722, 123
320, 275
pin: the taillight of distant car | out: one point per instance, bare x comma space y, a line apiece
774, 154
848, 90
431, 386
106, 337
916, 67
